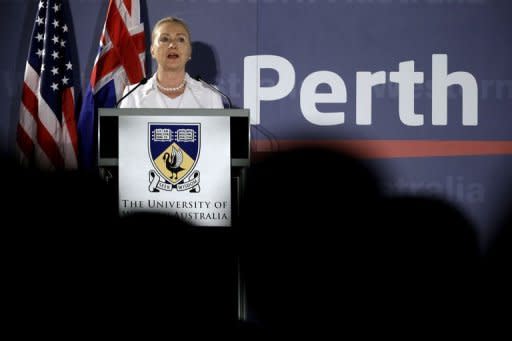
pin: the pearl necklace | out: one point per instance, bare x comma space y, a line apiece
175, 89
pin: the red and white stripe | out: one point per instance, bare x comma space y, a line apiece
41, 138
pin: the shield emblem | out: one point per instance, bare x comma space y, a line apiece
174, 149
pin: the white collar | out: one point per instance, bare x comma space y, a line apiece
151, 84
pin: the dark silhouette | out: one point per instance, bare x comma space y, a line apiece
496, 279
339, 256
429, 255
306, 213
322, 252
74, 266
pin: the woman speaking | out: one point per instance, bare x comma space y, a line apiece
171, 86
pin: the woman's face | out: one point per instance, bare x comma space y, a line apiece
171, 47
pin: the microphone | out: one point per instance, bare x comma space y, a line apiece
142, 82
199, 79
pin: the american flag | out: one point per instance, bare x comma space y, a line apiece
120, 62
46, 133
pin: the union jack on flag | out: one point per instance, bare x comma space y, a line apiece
120, 62
46, 132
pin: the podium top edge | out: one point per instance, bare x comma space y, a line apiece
172, 112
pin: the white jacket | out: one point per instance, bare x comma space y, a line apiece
196, 96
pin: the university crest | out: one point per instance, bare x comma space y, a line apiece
174, 151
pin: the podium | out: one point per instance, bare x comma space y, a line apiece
143, 137
190, 163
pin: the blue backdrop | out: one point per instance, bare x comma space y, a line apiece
338, 48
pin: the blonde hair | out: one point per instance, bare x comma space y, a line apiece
170, 20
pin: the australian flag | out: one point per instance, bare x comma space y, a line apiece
120, 62
46, 133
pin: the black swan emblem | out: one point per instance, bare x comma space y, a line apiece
173, 162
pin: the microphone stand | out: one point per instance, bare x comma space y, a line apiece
199, 79
142, 81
